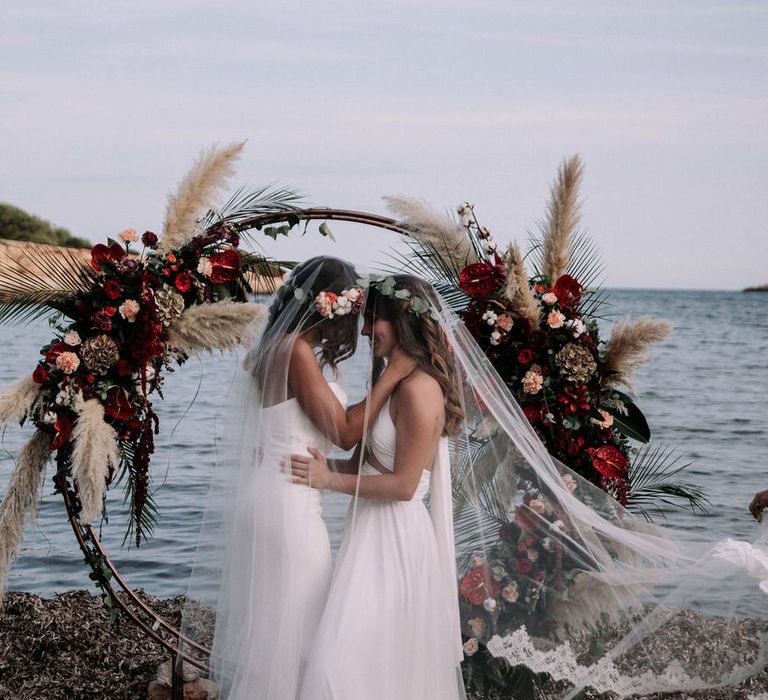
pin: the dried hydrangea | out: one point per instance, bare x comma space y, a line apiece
169, 303
576, 363
99, 353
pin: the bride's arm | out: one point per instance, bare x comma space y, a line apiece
419, 424
343, 427
349, 465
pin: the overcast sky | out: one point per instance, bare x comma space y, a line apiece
104, 105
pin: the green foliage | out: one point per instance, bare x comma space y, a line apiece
18, 225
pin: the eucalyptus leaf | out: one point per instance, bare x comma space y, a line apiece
325, 230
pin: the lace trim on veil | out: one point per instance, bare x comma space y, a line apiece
562, 664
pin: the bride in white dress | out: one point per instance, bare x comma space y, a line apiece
390, 629
276, 565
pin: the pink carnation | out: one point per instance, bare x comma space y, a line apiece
128, 236
129, 310
67, 362
555, 319
532, 382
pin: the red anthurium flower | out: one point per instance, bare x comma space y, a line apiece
101, 253
478, 279
226, 266
568, 292
118, 405
63, 427
609, 461
478, 585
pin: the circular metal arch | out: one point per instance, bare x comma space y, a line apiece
154, 626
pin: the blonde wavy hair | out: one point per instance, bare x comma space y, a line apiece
421, 336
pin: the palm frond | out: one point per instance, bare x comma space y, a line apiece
653, 483
585, 262
149, 514
46, 279
246, 203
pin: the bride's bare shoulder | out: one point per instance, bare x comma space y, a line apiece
420, 388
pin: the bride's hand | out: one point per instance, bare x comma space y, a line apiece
311, 471
400, 364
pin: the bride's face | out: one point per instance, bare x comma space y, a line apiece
382, 336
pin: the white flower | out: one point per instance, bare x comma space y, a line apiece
490, 247
205, 266
549, 298
471, 646
532, 554
495, 337
342, 306
128, 236
484, 232
547, 544
50, 417
489, 604
558, 526
490, 317
72, 338
577, 326
510, 592
570, 482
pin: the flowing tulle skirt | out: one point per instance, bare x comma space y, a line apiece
384, 634
285, 557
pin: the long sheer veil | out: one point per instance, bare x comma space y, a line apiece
556, 576
245, 597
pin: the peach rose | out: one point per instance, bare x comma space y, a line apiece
471, 646
72, 339
532, 382
505, 322
549, 298
555, 319
607, 420
67, 362
129, 309
128, 236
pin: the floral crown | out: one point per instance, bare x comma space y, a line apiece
417, 305
329, 304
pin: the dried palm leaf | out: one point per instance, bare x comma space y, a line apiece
46, 278
197, 192
628, 347
562, 217
246, 203
20, 497
210, 327
94, 455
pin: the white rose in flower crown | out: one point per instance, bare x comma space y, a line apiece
205, 266
67, 362
72, 338
549, 298
471, 646
342, 306
555, 319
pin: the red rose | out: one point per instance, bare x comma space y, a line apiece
478, 279
182, 282
124, 367
568, 292
166, 271
101, 253
478, 585
112, 289
63, 427
101, 321
609, 461
525, 356
532, 414
524, 565
90, 378
39, 375
117, 404
110, 310
55, 350
226, 266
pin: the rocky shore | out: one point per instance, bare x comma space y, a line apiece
758, 288
62, 648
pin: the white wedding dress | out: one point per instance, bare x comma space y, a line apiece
284, 555
386, 633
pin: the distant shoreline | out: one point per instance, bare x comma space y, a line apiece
758, 288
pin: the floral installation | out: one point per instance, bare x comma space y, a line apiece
541, 333
122, 320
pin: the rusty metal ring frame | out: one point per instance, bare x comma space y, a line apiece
151, 623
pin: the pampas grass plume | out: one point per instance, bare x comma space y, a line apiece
435, 228
20, 496
518, 291
209, 327
94, 453
562, 217
628, 347
197, 193
19, 400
